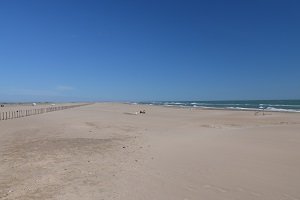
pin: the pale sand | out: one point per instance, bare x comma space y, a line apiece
101, 151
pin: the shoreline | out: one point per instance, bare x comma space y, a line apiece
215, 108
172, 105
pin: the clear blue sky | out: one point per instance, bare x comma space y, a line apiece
61, 50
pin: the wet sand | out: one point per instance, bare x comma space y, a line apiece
105, 151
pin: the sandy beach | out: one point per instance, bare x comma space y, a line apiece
105, 151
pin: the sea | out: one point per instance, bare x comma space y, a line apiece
254, 105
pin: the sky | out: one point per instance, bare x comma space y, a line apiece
69, 50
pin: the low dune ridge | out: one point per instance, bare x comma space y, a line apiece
110, 151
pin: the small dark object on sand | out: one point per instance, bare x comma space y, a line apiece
142, 112
2, 105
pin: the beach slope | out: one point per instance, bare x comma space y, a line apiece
106, 151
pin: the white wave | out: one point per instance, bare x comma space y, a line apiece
283, 105
267, 109
281, 109
184, 106
241, 108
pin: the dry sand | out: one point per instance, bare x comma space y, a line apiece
102, 151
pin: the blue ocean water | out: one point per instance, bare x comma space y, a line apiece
269, 105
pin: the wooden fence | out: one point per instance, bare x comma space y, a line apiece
28, 112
